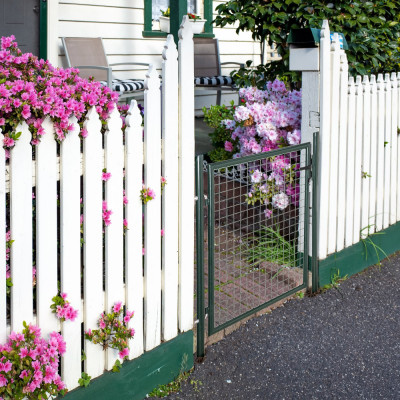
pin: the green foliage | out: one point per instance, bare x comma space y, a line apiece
335, 281
372, 29
213, 118
270, 245
117, 366
84, 380
367, 240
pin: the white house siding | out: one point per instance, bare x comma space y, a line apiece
120, 23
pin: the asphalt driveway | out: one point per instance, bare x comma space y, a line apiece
341, 344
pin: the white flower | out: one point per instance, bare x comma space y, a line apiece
280, 200
256, 176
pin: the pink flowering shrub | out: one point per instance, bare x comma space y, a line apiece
62, 308
9, 243
32, 89
147, 194
29, 365
113, 331
268, 120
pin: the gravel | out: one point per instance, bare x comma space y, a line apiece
340, 344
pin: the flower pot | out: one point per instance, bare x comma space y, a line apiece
197, 25
164, 24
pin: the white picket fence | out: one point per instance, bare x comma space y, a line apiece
157, 286
359, 172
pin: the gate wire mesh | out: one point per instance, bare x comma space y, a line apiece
258, 225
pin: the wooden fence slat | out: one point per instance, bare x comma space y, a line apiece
93, 162
381, 153
186, 175
342, 167
21, 229
398, 147
366, 154
358, 160
350, 163
3, 304
71, 251
393, 151
152, 180
373, 158
388, 146
133, 215
114, 233
324, 140
46, 228
334, 145
170, 210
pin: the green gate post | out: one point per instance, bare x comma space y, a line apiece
178, 10
200, 255
315, 215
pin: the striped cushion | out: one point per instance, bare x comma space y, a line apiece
213, 81
126, 85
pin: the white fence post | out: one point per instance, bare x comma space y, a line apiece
186, 175
366, 150
334, 144
21, 229
393, 151
46, 228
3, 303
324, 139
93, 161
71, 250
114, 262
343, 135
170, 240
381, 153
152, 180
388, 147
133, 215
351, 124
374, 152
358, 160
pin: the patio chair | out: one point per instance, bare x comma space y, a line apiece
207, 67
89, 56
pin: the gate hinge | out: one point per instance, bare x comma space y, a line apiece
206, 200
306, 167
313, 119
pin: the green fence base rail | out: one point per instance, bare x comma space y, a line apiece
361, 255
140, 376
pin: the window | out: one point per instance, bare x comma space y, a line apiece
153, 8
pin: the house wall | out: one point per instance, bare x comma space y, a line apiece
120, 24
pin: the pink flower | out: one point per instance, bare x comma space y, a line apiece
117, 307
228, 146
106, 176
123, 353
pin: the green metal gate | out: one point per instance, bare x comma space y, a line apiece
255, 213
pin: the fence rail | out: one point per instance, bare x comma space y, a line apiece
98, 265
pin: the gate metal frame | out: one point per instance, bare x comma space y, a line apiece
208, 310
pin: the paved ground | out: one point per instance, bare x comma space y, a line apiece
341, 344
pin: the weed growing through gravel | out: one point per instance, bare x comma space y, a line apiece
366, 239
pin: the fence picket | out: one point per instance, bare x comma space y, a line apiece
3, 302
186, 175
350, 163
170, 197
46, 228
133, 215
366, 154
358, 161
325, 107
381, 153
373, 158
93, 161
342, 150
388, 145
71, 250
152, 176
21, 229
114, 164
334, 145
393, 151
398, 145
